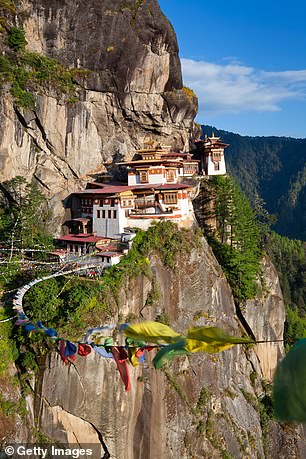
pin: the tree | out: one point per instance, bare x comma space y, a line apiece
24, 215
235, 235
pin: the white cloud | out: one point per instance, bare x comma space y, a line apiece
235, 88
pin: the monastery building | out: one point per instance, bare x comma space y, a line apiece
161, 186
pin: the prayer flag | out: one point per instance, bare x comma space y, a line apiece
154, 332
211, 339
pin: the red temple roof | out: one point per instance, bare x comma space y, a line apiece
80, 238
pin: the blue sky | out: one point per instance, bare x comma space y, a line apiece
246, 60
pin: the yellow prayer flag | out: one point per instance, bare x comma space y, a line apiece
132, 356
153, 332
211, 339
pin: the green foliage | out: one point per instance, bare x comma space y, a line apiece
48, 73
165, 239
28, 361
233, 235
8, 5
5, 68
204, 398
7, 407
289, 258
16, 39
295, 326
42, 302
9, 272
163, 318
8, 350
133, 6
74, 304
23, 218
22, 97
30, 73
153, 296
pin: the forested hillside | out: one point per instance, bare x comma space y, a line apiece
275, 169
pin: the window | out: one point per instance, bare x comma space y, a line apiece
216, 156
98, 213
103, 213
217, 166
109, 214
189, 169
143, 175
170, 198
170, 175
114, 214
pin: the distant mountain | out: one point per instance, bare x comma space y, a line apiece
274, 168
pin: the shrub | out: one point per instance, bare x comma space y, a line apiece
16, 39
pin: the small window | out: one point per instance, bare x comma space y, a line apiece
103, 213
108, 259
98, 213
170, 175
143, 176
114, 214
217, 166
170, 198
109, 214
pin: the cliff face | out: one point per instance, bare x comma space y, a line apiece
129, 88
208, 405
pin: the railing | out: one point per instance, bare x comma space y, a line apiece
141, 212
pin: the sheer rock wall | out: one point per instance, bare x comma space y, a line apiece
130, 91
202, 406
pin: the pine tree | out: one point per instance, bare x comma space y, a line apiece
23, 214
235, 238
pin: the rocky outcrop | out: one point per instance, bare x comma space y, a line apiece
266, 316
201, 406
129, 89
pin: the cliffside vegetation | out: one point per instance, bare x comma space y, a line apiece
74, 304
271, 171
231, 228
274, 169
28, 74
24, 215
289, 257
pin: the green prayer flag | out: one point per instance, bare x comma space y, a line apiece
167, 353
